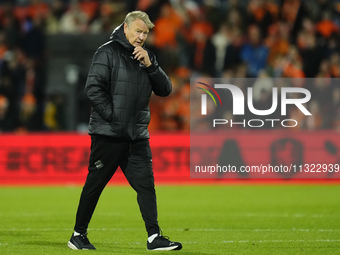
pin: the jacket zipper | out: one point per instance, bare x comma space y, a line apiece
137, 103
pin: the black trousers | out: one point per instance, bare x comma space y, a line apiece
135, 160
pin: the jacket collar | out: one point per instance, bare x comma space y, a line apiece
118, 35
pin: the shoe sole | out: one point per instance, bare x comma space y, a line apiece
171, 248
72, 246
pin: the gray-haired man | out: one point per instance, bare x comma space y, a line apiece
121, 79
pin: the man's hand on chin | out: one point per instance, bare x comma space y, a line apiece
142, 55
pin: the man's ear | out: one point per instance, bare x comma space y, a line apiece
125, 27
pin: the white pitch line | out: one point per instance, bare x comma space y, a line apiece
193, 229
259, 230
286, 215
240, 215
266, 241
219, 242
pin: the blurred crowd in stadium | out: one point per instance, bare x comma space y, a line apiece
192, 38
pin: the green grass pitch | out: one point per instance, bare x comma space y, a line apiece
241, 219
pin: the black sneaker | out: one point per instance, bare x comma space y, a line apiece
162, 243
80, 242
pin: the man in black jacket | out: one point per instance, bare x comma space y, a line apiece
121, 79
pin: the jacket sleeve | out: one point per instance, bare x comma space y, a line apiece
161, 83
97, 88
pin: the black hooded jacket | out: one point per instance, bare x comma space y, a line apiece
119, 87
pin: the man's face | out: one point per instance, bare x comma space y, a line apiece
137, 33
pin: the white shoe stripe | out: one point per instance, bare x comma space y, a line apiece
72, 246
164, 248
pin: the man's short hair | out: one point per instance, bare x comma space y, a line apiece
132, 16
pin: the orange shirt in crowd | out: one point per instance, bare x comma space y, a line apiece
292, 71
335, 71
3, 50
166, 28
32, 11
89, 8
326, 28
277, 45
290, 10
